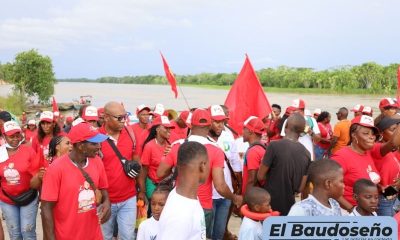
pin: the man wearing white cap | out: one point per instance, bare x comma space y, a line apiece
90, 115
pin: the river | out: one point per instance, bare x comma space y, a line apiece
133, 95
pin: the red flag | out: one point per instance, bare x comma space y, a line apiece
398, 86
170, 76
246, 98
54, 104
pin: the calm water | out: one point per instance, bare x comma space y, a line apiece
132, 95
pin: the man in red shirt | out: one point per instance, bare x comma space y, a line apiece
181, 128
201, 122
122, 189
252, 131
74, 196
140, 129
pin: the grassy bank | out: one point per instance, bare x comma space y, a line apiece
13, 103
302, 90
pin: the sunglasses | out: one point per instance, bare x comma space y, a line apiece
119, 118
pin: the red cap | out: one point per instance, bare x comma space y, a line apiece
387, 102
367, 110
85, 132
141, 108
184, 115
289, 110
69, 119
365, 121
298, 104
11, 127
217, 113
162, 120
47, 116
90, 114
254, 124
357, 108
201, 117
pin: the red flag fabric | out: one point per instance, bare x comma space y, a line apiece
170, 76
246, 98
54, 104
398, 86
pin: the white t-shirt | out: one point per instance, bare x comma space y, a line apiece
357, 214
250, 230
312, 207
148, 229
182, 219
306, 140
226, 142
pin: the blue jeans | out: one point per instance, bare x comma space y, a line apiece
220, 211
319, 152
385, 206
125, 215
21, 221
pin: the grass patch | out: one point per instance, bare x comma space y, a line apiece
13, 103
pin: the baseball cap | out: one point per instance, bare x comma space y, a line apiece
254, 124
32, 122
387, 102
46, 116
69, 119
201, 117
5, 116
85, 132
159, 109
141, 108
365, 121
307, 112
317, 111
162, 120
367, 110
298, 104
184, 115
289, 110
11, 127
217, 113
386, 122
90, 114
357, 108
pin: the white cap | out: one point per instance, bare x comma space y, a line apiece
11, 127
317, 111
217, 113
32, 122
77, 121
159, 109
249, 119
47, 116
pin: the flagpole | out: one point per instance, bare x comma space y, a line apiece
183, 95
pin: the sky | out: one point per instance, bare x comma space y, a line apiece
96, 38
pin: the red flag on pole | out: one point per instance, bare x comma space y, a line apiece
170, 76
398, 86
54, 104
246, 98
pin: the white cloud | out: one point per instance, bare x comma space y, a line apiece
91, 21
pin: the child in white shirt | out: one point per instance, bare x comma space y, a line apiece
366, 193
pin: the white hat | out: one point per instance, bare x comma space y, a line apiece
90, 114
11, 127
47, 116
32, 122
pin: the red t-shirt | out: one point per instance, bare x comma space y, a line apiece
17, 171
140, 139
42, 149
273, 127
75, 214
216, 158
151, 157
121, 187
29, 135
326, 132
388, 168
356, 166
177, 132
252, 160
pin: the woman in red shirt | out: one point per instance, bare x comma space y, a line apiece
388, 168
18, 165
47, 129
30, 131
357, 159
321, 148
154, 149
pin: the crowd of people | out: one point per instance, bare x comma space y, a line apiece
92, 175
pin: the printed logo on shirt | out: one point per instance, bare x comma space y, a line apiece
86, 198
11, 175
375, 178
45, 150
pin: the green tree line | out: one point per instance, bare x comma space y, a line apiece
370, 76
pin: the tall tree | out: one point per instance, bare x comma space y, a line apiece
32, 75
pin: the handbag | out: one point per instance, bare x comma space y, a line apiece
131, 168
24, 198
